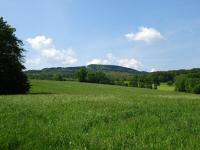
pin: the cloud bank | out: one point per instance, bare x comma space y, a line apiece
111, 59
47, 52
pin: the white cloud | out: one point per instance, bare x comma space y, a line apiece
153, 70
66, 57
47, 52
129, 63
34, 61
145, 34
40, 42
111, 59
98, 61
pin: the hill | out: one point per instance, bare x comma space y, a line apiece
73, 115
112, 68
48, 73
70, 72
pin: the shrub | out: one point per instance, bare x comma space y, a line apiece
170, 83
58, 77
82, 75
180, 83
196, 89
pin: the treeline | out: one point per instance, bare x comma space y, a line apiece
183, 80
53, 76
189, 83
85, 75
141, 81
58, 73
170, 76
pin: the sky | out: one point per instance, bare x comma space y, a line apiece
140, 34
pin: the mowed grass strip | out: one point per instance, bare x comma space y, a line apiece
72, 115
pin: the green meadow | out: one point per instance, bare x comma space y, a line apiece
165, 87
70, 115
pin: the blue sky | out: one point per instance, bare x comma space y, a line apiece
141, 34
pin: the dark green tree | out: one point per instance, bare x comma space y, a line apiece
12, 78
134, 81
148, 82
98, 77
102, 78
196, 89
180, 83
58, 77
141, 81
82, 75
92, 77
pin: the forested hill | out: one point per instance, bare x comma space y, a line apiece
70, 72
112, 68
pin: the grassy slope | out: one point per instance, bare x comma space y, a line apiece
76, 116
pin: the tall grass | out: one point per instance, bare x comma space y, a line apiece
72, 115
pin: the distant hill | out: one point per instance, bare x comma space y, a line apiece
112, 68
116, 73
70, 72
48, 73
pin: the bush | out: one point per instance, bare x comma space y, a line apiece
58, 77
91, 77
188, 83
148, 86
180, 83
170, 83
155, 86
196, 89
82, 75
134, 81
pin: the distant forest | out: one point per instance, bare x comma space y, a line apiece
183, 80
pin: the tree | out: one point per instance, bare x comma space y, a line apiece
58, 77
102, 78
12, 78
134, 81
148, 82
170, 83
155, 86
82, 75
141, 81
196, 89
180, 83
92, 77
98, 77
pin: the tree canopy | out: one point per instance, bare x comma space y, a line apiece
12, 78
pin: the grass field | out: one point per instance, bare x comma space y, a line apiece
72, 115
165, 87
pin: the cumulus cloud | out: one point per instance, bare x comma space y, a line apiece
98, 61
46, 51
40, 42
147, 35
35, 61
129, 63
153, 70
66, 57
111, 59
